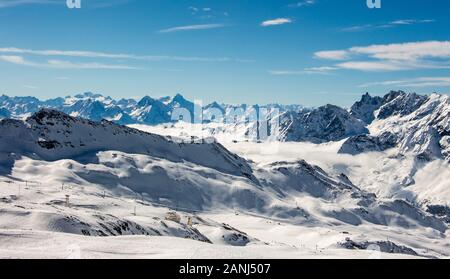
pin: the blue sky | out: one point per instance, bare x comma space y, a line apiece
309, 52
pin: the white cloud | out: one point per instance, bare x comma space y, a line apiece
325, 70
391, 24
285, 72
411, 21
416, 82
14, 3
92, 3
60, 64
313, 70
193, 9
332, 54
371, 66
192, 27
406, 51
392, 57
302, 4
93, 54
19, 60
71, 53
277, 21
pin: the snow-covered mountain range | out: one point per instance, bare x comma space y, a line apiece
148, 110
413, 123
341, 181
407, 121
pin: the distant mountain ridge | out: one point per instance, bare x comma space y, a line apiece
407, 121
96, 107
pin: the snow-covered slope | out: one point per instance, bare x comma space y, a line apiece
422, 125
51, 135
297, 207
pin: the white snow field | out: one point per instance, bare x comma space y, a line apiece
72, 188
36, 223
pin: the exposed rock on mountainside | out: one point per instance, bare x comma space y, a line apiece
365, 108
327, 123
413, 123
366, 143
378, 246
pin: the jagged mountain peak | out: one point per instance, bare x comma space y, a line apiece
411, 122
365, 108
88, 95
179, 101
366, 96
146, 100
179, 98
393, 94
48, 113
400, 103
